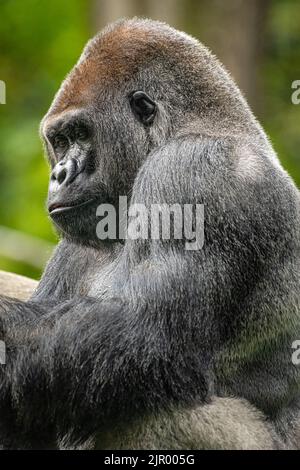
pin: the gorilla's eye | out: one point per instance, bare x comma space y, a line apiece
82, 134
143, 107
60, 142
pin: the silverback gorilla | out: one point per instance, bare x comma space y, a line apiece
140, 343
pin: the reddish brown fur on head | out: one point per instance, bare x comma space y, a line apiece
178, 64
112, 57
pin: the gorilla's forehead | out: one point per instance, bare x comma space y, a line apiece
117, 53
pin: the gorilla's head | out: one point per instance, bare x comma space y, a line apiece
137, 84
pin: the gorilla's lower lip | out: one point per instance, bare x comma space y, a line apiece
58, 208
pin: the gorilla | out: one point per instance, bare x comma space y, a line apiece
136, 342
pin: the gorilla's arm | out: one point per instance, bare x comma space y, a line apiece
67, 275
99, 362
122, 394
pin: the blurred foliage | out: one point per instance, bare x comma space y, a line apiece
40, 41
281, 118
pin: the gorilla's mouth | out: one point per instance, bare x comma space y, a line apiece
59, 207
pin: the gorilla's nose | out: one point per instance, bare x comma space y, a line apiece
65, 172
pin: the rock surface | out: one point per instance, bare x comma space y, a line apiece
14, 285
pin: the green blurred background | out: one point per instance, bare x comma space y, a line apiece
40, 40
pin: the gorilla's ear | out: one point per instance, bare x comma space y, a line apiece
143, 107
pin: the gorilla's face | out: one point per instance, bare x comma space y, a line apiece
109, 114
94, 153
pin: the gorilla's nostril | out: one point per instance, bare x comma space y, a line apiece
61, 176
65, 172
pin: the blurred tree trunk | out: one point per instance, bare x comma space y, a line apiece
233, 29
19, 287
